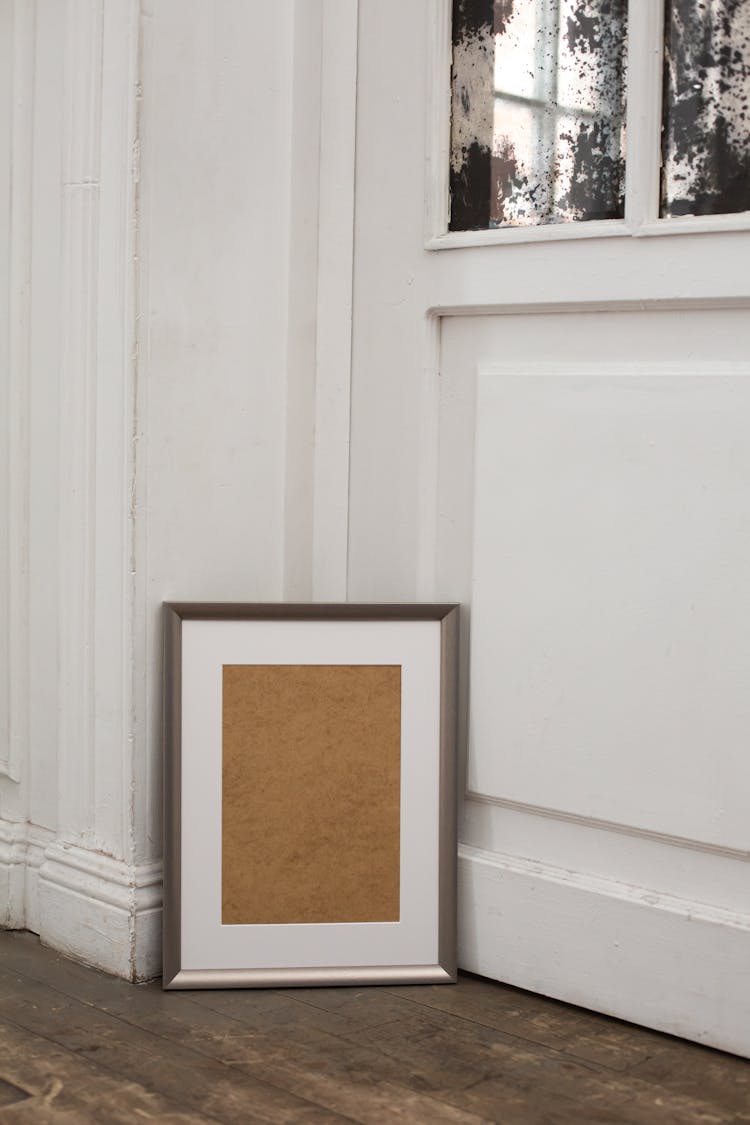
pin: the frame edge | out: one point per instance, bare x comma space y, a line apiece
172, 786
445, 971
299, 978
448, 838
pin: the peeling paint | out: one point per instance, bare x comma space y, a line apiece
538, 112
706, 127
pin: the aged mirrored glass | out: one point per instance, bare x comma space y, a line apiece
706, 114
538, 112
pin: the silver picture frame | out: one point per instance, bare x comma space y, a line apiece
435, 970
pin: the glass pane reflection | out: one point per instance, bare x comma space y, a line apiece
538, 112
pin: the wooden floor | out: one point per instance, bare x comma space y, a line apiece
78, 1046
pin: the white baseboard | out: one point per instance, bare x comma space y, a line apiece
12, 866
675, 965
37, 841
89, 906
101, 911
147, 959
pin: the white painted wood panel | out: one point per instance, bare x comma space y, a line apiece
593, 841
654, 959
680, 508
19, 328
610, 644
216, 194
162, 305
707, 874
45, 437
6, 145
332, 416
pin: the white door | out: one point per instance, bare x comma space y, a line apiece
551, 424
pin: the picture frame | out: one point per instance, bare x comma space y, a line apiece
309, 794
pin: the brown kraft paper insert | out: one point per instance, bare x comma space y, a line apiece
311, 787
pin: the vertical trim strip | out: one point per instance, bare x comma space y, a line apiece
336, 235
643, 160
78, 364
438, 128
22, 92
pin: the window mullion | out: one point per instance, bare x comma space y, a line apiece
645, 70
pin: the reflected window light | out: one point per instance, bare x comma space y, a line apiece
538, 112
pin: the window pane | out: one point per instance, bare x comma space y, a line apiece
538, 112
706, 127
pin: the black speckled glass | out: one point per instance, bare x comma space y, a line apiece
538, 112
706, 116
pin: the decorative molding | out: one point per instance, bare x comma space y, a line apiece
695, 224
22, 93
552, 232
117, 584
38, 839
78, 361
95, 908
607, 945
608, 826
689, 909
90, 906
97, 449
545, 308
12, 863
22, 847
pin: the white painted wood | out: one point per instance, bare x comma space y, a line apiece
390, 301
12, 873
19, 262
115, 417
215, 193
77, 530
334, 301
185, 393
644, 109
621, 720
626, 822
657, 959
697, 224
428, 461
303, 134
38, 839
44, 419
96, 425
70, 451
6, 146
93, 907
708, 873
22, 847
509, 236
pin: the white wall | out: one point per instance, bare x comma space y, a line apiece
161, 299
216, 157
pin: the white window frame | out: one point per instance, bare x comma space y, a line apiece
643, 158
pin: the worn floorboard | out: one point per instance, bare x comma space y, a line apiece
78, 1046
